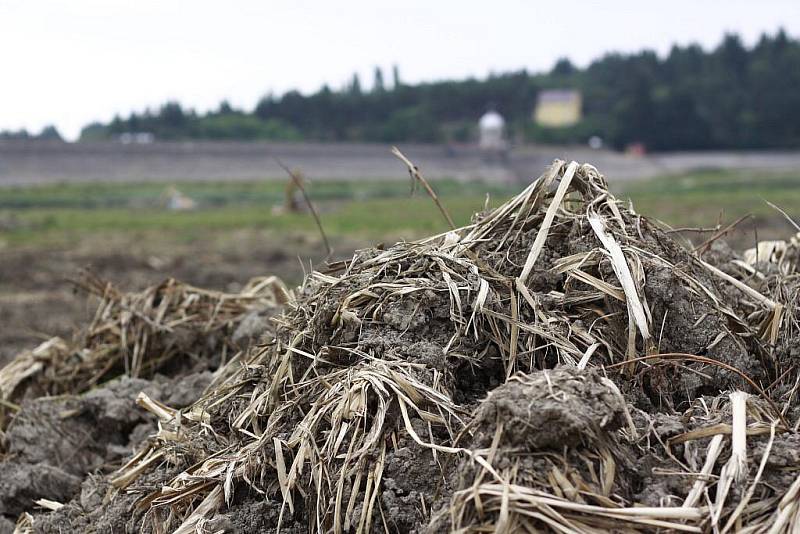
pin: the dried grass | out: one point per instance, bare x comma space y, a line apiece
560, 276
136, 334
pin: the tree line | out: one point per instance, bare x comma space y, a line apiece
48, 133
729, 97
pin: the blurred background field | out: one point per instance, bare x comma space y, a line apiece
62, 214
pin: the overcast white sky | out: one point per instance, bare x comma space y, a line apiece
69, 62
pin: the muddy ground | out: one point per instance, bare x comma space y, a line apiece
55, 442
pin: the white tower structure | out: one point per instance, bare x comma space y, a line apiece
491, 127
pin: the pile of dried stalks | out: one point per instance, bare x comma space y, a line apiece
560, 364
136, 334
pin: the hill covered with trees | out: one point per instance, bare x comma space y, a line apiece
730, 97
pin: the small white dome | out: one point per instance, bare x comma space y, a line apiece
491, 120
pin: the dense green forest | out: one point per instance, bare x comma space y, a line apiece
729, 97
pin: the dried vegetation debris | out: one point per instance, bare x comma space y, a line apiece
561, 363
138, 334
57, 426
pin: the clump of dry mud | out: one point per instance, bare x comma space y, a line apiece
560, 364
54, 442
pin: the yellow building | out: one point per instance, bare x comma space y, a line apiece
557, 108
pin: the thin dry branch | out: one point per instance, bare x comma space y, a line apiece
416, 176
298, 181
